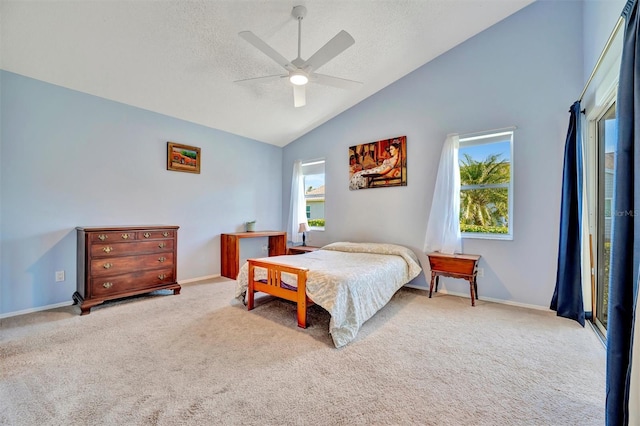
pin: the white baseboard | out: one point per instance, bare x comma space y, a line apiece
488, 299
192, 280
38, 309
70, 302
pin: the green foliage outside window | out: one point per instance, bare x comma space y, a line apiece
484, 229
316, 222
484, 209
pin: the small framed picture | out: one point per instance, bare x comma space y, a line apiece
183, 158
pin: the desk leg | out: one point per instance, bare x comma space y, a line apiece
437, 282
475, 286
472, 289
277, 245
229, 256
433, 275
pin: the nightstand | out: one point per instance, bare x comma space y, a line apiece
463, 266
301, 249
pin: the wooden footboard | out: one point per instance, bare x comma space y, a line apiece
274, 287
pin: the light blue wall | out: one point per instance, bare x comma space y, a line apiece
600, 17
71, 159
525, 71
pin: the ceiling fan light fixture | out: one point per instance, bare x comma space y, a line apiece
300, 71
298, 78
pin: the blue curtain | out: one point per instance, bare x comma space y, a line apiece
625, 239
567, 296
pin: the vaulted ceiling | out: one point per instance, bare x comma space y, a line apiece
182, 58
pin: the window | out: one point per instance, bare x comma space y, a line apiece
486, 185
313, 172
606, 137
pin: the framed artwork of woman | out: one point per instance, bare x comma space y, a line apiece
378, 164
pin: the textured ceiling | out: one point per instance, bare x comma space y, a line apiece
181, 58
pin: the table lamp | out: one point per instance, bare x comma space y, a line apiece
302, 229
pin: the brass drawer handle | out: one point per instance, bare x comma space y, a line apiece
125, 236
166, 234
107, 249
161, 245
107, 265
102, 237
147, 235
161, 259
107, 285
162, 276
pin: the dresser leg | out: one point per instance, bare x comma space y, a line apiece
85, 307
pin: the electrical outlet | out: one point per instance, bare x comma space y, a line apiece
59, 276
265, 248
480, 272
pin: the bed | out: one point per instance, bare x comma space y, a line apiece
352, 281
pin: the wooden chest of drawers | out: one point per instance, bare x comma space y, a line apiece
124, 261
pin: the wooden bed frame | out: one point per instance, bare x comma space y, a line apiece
273, 286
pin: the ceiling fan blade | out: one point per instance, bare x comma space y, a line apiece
266, 49
333, 48
341, 83
264, 78
299, 96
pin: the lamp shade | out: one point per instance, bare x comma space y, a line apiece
303, 227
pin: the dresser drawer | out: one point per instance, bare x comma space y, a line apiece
153, 234
121, 249
135, 281
112, 237
123, 264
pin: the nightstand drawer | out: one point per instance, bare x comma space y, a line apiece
452, 265
301, 249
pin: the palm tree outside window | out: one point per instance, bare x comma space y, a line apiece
486, 185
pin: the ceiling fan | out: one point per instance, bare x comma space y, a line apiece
300, 71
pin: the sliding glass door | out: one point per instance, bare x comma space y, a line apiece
607, 133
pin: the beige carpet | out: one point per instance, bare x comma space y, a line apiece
199, 358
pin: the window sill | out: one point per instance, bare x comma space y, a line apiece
474, 236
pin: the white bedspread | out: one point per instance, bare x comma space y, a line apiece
352, 281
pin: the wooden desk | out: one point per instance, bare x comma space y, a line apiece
230, 249
463, 266
301, 249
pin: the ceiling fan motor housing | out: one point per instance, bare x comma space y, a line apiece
299, 12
